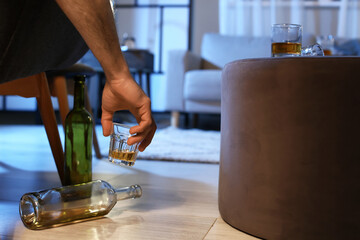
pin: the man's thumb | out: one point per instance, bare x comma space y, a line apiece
106, 122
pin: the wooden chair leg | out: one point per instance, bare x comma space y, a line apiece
194, 120
49, 120
95, 140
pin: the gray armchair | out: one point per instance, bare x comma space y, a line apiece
193, 82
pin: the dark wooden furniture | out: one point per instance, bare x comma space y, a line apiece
37, 86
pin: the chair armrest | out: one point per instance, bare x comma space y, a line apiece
179, 62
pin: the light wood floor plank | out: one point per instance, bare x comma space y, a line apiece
128, 225
221, 230
179, 199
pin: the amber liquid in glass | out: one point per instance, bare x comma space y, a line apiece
285, 49
128, 156
327, 52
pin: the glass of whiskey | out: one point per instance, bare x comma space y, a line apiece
286, 40
119, 151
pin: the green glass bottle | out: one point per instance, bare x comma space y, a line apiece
78, 139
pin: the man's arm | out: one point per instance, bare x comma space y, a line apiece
95, 22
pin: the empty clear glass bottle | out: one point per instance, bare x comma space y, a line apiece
63, 205
78, 139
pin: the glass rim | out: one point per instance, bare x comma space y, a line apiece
291, 25
122, 125
29, 198
121, 130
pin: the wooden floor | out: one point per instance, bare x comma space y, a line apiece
179, 199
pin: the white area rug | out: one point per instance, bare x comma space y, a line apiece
185, 145
169, 144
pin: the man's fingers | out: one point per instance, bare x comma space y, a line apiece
145, 122
106, 122
143, 117
135, 139
147, 140
144, 137
139, 129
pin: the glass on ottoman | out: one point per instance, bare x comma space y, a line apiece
286, 40
119, 151
328, 44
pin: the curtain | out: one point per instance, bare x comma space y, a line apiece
349, 20
255, 17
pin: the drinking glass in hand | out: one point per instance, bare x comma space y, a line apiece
119, 151
286, 40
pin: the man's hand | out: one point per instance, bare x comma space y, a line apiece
125, 94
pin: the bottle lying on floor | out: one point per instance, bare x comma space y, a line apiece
73, 203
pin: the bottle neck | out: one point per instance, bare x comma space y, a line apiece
133, 191
79, 92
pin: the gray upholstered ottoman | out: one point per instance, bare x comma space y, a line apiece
290, 147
